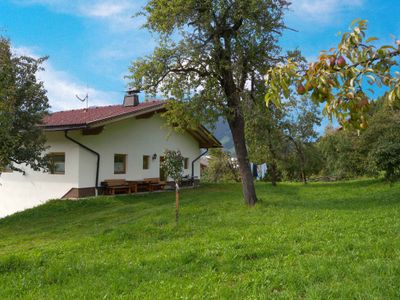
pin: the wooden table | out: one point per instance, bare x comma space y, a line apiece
139, 184
133, 186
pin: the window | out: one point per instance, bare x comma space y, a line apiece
119, 163
146, 162
57, 163
186, 163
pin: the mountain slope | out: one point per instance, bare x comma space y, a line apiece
223, 134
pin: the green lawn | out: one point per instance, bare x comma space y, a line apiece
336, 240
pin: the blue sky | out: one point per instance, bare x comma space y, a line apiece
92, 42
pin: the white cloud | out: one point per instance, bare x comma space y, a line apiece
62, 88
128, 48
62, 91
117, 14
322, 10
103, 10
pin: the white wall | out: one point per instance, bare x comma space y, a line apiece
87, 167
134, 137
19, 192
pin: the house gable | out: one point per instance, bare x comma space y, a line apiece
93, 119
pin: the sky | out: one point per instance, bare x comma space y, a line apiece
91, 43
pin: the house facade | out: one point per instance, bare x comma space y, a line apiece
91, 145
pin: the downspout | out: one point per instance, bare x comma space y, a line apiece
196, 159
90, 150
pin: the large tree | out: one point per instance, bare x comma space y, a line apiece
299, 129
342, 153
265, 136
209, 55
23, 104
349, 153
380, 142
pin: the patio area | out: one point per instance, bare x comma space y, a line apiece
122, 186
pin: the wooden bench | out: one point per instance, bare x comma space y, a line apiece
116, 186
154, 184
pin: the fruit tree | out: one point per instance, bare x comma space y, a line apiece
343, 78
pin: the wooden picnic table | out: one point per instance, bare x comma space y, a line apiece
139, 184
148, 184
133, 186
113, 186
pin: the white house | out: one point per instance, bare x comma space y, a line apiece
91, 145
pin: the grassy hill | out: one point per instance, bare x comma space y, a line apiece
336, 240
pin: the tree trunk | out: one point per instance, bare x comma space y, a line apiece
176, 202
273, 174
236, 118
302, 160
303, 166
236, 125
303, 175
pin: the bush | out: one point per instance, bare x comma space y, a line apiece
382, 143
222, 167
387, 158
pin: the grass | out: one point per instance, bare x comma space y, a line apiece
320, 241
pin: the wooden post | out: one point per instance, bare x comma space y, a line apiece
176, 202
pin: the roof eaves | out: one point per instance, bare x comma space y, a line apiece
126, 115
205, 138
63, 127
210, 135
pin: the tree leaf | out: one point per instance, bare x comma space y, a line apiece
371, 39
354, 22
372, 78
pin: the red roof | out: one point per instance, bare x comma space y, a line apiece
83, 117
86, 118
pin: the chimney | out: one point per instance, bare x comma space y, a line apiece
131, 98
